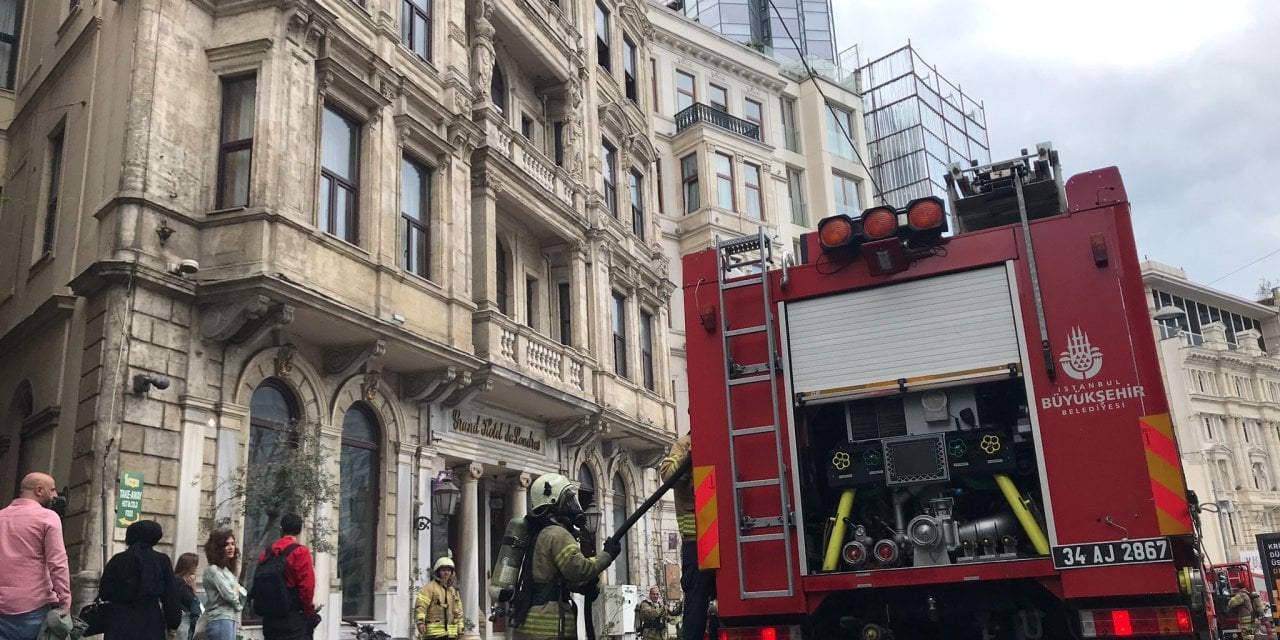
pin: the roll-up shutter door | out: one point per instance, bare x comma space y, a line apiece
929, 331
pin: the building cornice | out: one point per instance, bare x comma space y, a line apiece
685, 46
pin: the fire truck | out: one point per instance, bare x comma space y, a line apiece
941, 425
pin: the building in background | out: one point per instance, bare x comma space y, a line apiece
742, 143
787, 30
422, 230
1224, 397
917, 123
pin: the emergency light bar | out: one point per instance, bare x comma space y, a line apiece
887, 237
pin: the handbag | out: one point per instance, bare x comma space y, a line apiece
95, 615
201, 629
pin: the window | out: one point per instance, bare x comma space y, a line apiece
848, 201
657, 173
339, 175
501, 265
1273, 391
565, 307
629, 84
619, 334
790, 134
55, 185
653, 83
840, 132
1244, 388
1212, 427
621, 564
718, 97
795, 193
586, 487
724, 182
415, 26
686, 94
646, 349
358, 511
531, 302
637, 204
498, 91
1231, 524
526, 127
235, 152
273, 412
558, 150
10, 25
608, 167
689, 180
751, 182
415, 214
753, 111
1246, 429
602, 37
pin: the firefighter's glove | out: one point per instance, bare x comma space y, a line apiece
613, 547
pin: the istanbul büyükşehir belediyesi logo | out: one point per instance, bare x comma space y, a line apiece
1081, 360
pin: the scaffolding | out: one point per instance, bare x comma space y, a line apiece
917, 122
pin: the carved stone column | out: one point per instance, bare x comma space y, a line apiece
468, 559
579, 298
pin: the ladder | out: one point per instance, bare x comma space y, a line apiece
741, 379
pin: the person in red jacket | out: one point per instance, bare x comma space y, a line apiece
300, 577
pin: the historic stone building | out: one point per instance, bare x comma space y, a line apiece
1223, 379
424, 228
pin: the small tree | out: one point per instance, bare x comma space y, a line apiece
288, 472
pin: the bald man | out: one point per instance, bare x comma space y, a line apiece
35, 577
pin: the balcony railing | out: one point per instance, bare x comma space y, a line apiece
705, 113
534, 354
500, 137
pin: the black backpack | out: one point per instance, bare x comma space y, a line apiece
270, 593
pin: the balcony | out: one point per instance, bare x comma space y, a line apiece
532, 354
705, 113
536, 167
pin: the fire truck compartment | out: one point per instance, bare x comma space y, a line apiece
915, 442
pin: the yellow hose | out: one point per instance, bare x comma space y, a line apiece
1028, 521
837, 532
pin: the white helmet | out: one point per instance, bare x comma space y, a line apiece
443, 561
548, 491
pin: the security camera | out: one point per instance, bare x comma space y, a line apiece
184, 268
143, 382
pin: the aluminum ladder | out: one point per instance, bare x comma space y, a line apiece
754, 378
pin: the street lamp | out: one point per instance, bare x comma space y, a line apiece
1168, 312
591, 519
444, 501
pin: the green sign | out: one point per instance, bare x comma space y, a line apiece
129, 499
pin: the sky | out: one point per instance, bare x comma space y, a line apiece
1184, 97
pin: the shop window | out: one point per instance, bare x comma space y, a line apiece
273, 417
358, 510
619, 509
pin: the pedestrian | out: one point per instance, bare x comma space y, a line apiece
139, 583
223, 596
543, 609
185, 573
298, 616
699, 585
651, 614
36, 577
438, 610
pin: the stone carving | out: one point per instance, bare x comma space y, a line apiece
242, 320
649, 458
482, 51
284, 360
343, 361
427, 386
464, 394
370, 385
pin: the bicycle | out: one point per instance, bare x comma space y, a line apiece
366, 631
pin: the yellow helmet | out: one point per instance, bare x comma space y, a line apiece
443, 561
547, 491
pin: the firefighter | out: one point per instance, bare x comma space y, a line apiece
1241, 605
699, 586
439, 607
652, 614
556, 567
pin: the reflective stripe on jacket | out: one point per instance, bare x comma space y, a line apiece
682, 491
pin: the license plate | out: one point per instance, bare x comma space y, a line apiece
1106, 554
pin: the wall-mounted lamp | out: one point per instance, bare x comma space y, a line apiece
444, 501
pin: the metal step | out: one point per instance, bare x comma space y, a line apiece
746, 331
763, 537
750, 380
768, 428
734, 246
746, 281
751, 484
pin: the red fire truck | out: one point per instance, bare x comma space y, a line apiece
912, 433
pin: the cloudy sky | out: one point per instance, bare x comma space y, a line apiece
1183, 96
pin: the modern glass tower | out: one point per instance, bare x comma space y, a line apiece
764, 24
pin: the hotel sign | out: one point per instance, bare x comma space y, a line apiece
499, 431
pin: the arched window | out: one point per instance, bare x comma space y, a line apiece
498, 90
1261, 479
273, 414
1224, 474
502, 264
620, 565
586, 486
358, 510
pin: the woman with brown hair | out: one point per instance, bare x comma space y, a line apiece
185, 572
223, 596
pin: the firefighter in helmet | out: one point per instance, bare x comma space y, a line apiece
699, 586
556, 566
438, 609
1247, 607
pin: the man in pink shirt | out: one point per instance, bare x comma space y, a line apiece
35, 577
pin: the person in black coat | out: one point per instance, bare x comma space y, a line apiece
139, 583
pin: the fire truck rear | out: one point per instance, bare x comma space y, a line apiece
920, 434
